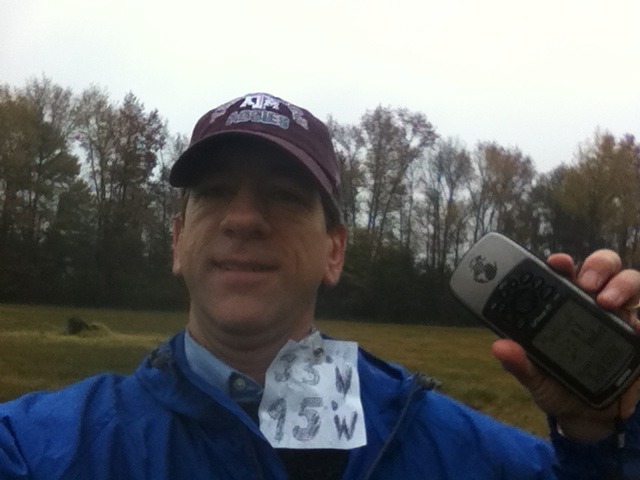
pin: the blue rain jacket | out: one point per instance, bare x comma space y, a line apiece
164, 422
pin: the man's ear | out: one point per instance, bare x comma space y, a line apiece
337, 244
176, 232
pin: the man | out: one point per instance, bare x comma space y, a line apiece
250, 390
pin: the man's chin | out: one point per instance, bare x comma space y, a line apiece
244, 326
246, 323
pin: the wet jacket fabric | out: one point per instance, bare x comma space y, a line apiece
164, 422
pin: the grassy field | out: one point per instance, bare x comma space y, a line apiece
36, 355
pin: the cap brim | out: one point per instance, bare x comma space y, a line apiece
192, 163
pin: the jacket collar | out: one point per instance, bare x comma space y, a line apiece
389, 395
167, 377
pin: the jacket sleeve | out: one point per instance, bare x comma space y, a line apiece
585, 460
630, 458
615, 458
495, 450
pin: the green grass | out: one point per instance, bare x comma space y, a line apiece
36, 355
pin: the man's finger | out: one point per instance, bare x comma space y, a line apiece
563, 264
514, 359
597, 269
621, 292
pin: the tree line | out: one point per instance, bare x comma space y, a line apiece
85, 205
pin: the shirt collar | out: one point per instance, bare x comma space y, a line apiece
206, 365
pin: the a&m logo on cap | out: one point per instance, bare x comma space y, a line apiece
260, 101
261, 108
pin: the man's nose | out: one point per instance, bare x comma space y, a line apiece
244, 215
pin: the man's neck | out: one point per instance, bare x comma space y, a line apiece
249, 354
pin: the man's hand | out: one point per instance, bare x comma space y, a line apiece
615, 289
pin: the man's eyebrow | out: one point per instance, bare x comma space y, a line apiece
291, 171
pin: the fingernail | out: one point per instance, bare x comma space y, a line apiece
590, 280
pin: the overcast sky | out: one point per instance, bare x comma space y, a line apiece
541, 76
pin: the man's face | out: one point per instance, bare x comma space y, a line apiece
253, 247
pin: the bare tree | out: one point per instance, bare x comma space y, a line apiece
448, 172
122, 146
349, 144
394, 138
504, 179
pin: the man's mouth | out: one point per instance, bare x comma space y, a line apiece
243, 267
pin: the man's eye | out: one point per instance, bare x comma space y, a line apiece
289, 196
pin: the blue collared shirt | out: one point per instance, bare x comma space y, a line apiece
241, 388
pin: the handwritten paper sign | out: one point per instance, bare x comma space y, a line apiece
312, 396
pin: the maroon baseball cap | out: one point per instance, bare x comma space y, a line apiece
264, 116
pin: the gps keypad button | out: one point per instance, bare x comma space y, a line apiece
518, 300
